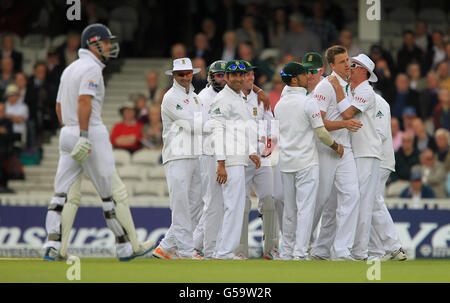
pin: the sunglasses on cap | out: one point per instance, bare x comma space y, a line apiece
283, 74
237, 66
313, 71
354, 65
220, 75
183, 74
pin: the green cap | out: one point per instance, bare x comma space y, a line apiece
249, 66
234, 66
314, 59
291, 70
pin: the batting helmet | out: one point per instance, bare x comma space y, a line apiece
93, 34
215, 67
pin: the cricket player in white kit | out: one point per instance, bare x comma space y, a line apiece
366, 144
84, 144
261, 180
181, 114
299, 119
205, 237
230, 115
338, 176
384, 242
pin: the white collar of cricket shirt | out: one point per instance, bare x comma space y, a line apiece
87, 53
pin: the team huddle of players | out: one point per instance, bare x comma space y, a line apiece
335, 154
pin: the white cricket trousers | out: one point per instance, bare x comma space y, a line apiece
383, 235
338, 200
278, 194
234, 204
183, 181
368, 178
300, 194
99, 166
210, 223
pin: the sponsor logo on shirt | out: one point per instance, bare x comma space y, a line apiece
255, 111
319, 97
217, 111
195, 99
179, 107
92, 84
379, 114
314, 116
186, 101
360, 99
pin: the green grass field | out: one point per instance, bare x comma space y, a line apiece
219, 271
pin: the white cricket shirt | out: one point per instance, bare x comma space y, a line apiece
21, 110
181, 115
325, 95
383, 127
298, 116
82, 77
206, 96
365, 142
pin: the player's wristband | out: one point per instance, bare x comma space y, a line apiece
343, 105
84, 133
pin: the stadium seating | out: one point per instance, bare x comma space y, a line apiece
146, 157
402, 15
121, 157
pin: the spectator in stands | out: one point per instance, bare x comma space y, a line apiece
248, 33
213, 38
54, 70
433, 173
405, 158
154, 91
299, 40
422, 140
9, 51
404, 96
447, 53
6, 139
408, 117
442, 72
377, 52
416, 82
199, 80
7, 74
436, 53
428, 99
140, 104
409, 52
202, 49
95, 14
423, 39
68, 52
15, 111
346, 39
441, 113
229, 51
127, 134
152, 130
21, 81
385, 84
324, 29
397, 133
178, 50
275, 92
278, 27
416, 189
441, 136
263, 72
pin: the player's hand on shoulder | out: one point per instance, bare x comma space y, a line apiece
81, 150
334, 81
353, 124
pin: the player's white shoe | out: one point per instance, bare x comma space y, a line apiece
144, 248
317, 257
397, 255
301, 258
273, 254
240, 256
161, 254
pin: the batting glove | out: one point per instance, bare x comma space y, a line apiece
81, 150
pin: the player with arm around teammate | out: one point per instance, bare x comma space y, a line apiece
84, 144
299, 119
339, 193
366, 144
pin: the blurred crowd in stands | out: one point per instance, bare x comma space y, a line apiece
414, 76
